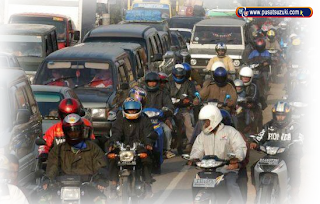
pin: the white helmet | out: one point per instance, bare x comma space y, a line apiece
239, 83
216, 65
212, 113
316, 76
246, 72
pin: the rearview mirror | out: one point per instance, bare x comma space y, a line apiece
156, 58
23, 116
40, 141
76, 35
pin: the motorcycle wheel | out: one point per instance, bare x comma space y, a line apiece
265, 195
124, 191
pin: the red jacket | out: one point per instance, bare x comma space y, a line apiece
55, 135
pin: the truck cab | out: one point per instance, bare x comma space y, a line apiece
67, 35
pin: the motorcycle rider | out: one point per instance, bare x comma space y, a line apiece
55, 135
283, 130
305, 92
272, 42
9, 193
221, 50
261, 56
160, 99
77, 156
132, 126
178, 87
219, 139
193, 75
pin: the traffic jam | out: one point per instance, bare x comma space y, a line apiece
153, 101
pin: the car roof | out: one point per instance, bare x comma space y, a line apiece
47, 88
88, 51
131, 46
121, 30
223, 21
22, 29
9, 75
41, 15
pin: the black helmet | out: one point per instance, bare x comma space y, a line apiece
260, 45
152, 77
179, 74
281, 109
220, 76
73, 129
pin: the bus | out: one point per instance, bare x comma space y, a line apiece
166, 8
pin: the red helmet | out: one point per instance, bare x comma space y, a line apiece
68, 106
73, 129
260, 44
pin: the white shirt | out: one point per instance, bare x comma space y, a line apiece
15, 196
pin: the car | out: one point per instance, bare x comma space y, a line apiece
8, 60
20, 122
178, 41
184, 21
185, 32
138, 57
99, 74
148, 37
30, 43
209, 32
48, 99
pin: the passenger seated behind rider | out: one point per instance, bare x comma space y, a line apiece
102, 79
132, 126
219, 140
284, 130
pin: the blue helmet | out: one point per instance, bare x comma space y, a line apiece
179, 74
227, 119
131, 104
220, 76
188, 68
304, 78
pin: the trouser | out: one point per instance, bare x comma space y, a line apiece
183, 122
168, 136
145, 164
188, 124
233, 187
293, 167
243, 183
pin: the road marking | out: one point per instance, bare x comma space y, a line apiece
166, 193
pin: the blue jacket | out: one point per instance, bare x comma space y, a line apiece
305, 95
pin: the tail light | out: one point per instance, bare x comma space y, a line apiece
112, 156
143, 155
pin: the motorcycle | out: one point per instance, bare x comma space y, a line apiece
275, 65
131, 187
209, 185
155, 115
313, 57
245, 116
310, 144
270, 173
293, 73
258, 79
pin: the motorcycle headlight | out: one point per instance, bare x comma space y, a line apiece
272, 150
281, 150
210, 163
126, 156
151, 114
98, 113
70, 193
193, 62
236, 63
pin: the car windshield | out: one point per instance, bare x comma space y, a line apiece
186, 35
140, 41
225, 4
216, 34
4, 108
76, 74
21, 45
48, 103
57, 22
163, 8
183, 22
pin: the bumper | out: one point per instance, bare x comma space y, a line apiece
101, 127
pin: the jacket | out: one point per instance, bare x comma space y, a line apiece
11, 194
227, 140
305, 95
187, 87
252, 92
211, 91
86, 162
273, 45
54, 136
158, 100
130, 131
285, 136
227, 61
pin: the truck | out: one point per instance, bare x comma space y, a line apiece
167, 7
83, 14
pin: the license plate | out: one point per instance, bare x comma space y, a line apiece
132, 163
209, 183
268, 161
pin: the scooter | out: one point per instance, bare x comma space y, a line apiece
310, 144
155, 115
271, 173
209, 185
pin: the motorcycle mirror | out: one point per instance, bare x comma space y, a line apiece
285, 97
231, 155
252, 136
185, 156
228, 96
